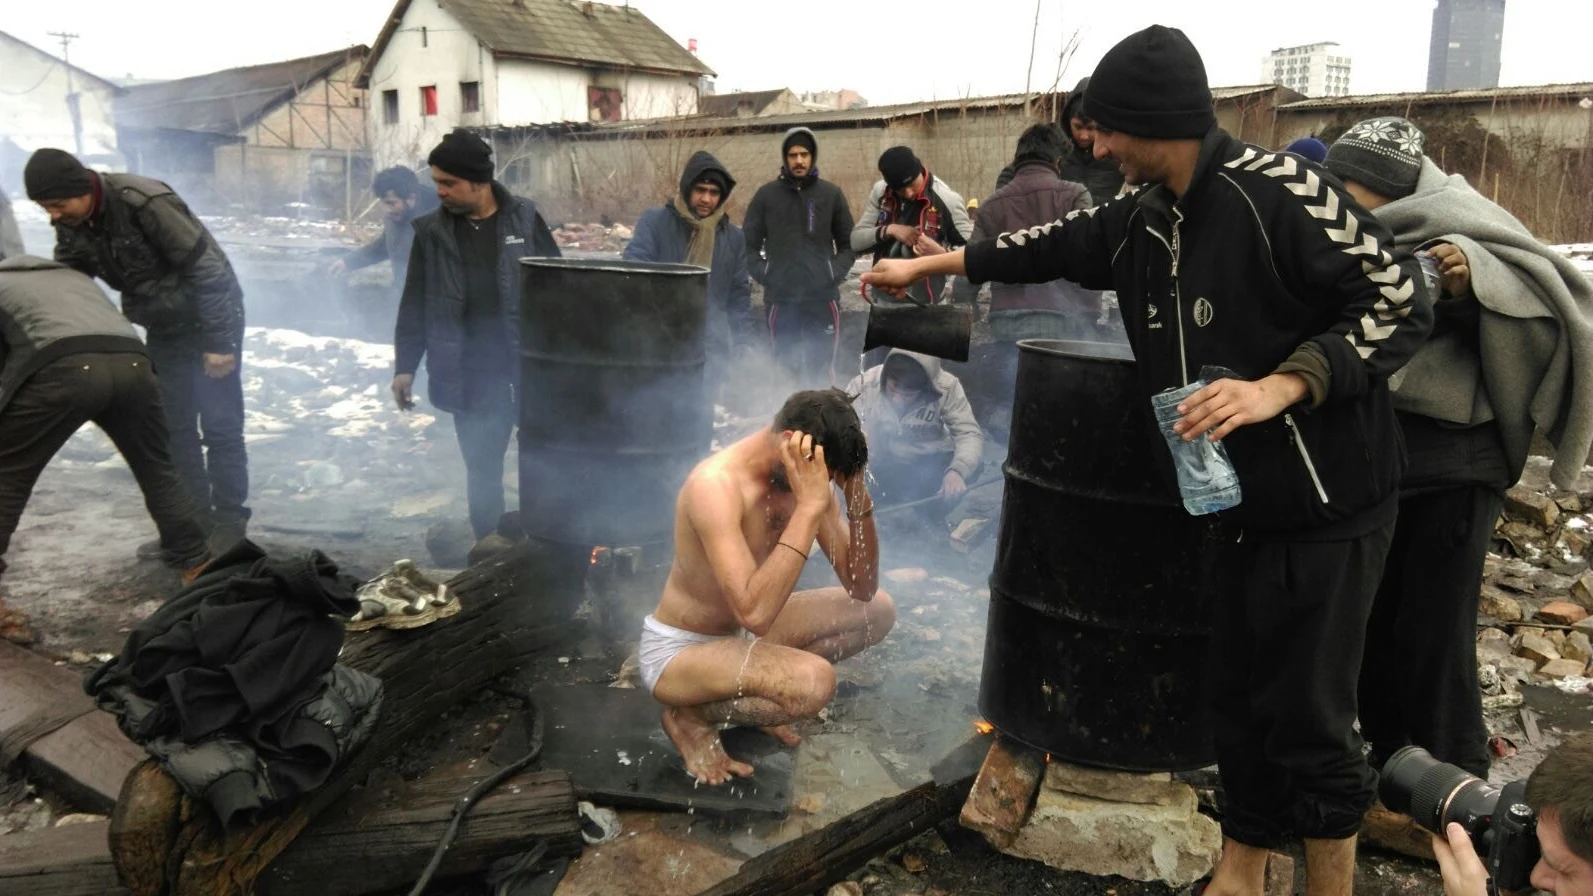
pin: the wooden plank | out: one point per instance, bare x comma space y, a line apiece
813, 862
67, 861
514, 605
363, 846
85, 760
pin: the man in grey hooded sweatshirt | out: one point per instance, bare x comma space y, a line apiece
922, 436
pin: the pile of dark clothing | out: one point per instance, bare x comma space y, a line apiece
233, 685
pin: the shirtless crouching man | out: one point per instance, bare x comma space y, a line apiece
745, 522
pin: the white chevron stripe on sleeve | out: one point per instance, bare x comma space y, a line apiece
1348, 232
1310, 187
1371, 332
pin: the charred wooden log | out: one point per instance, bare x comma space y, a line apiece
514, 605
363, 846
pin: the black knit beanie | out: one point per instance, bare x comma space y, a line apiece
1385, 154
56, 174
465, 155
799, 137
1152, 84
899, 167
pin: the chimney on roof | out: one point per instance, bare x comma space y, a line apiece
587, 9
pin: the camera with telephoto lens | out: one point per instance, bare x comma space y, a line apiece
1503, 828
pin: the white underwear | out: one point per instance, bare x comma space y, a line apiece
660, 643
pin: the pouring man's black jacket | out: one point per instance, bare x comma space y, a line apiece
1265, 260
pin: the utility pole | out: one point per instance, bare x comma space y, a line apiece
73, 104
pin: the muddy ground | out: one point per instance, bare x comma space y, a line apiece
336, 469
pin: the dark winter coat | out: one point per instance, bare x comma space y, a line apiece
663, 235
1100, 176
1265, 261
49, 311
799, 239
233, 683
431, 313
1034, 196
174, 279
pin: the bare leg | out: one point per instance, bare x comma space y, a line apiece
698, 742
737, 682
829, 623
1330, 867
1242, 870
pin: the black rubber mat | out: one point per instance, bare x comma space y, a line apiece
610, 742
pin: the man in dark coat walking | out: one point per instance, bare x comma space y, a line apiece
692, 228
460, 311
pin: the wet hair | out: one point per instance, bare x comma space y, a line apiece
398, 180
1563, 782
1041, 143
827, 415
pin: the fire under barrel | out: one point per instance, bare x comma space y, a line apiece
1103, 586
613, 412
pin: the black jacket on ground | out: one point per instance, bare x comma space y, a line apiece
1264, 260
174, 279
232, 684
662, 235
431, 313
799, 233
1101, 177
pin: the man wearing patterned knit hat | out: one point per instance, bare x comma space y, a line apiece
1252, 277
1511, 352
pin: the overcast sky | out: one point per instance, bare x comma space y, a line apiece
888, 50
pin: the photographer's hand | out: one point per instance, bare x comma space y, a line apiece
1464, 873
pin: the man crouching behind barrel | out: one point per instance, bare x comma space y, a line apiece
730, 642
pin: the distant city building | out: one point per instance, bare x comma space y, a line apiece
1314, 69
1464, 53
839, 100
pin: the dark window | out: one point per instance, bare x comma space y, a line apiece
428, 100
389, 107
470, 96
604, 104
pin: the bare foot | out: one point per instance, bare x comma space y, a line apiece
785, 733
699, 745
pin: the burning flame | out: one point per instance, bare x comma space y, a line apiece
983, 727
596, 552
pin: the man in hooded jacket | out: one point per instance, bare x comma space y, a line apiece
692, 228
922, 435
798, 228
1101, 176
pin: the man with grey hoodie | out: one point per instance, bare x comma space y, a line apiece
922, 436
68, 357
798, 228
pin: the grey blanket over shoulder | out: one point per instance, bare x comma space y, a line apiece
1535, 329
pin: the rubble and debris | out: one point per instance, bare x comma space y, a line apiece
593, 237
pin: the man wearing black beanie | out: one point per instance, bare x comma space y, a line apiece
460, 311
139, 236
909, 212
798, 227
1261, 282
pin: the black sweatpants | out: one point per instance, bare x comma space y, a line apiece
1419, 678
1286, 655
119, 394
805, 337
204, 417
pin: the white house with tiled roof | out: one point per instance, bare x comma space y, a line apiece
441, 64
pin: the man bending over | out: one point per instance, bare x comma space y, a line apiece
730, 643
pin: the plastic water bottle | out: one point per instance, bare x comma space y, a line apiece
1206, 477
